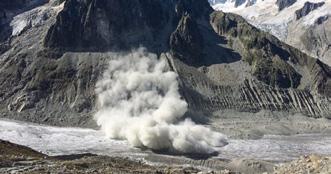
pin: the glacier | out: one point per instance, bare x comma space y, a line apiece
64, 141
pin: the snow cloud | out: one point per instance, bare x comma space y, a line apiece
138, 101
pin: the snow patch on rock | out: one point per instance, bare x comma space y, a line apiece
33, 18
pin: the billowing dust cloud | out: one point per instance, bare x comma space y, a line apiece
138, 100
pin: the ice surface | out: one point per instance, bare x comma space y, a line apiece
60, 141
64, 141
279, 148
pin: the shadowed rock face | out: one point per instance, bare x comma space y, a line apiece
284, 3
186, 41
108, 24
321, 20
12, 4
102, 24
49, 71
307, 8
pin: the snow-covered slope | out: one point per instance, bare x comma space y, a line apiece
266, 15
232, 3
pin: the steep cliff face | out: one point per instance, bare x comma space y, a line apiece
186, 41
109, 25
104, 25
49, 70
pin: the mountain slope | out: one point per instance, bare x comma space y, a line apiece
300, 23
49, 70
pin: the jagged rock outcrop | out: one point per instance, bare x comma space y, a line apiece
321, 20
284, 4
186, 41
104, 25
49, 71
307, 8
108, 25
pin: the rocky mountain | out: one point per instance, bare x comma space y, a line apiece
49, 69
299, 23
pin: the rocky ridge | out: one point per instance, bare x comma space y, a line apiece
302, 24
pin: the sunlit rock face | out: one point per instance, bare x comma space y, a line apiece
300, 23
